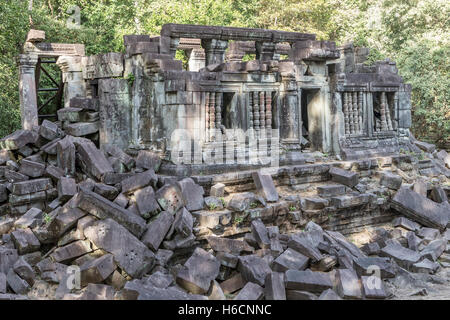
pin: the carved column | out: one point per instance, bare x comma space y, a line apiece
265, 50
350, 113
346, 113
214, 50
196, 59
256, 112
74, 84
360, 112
395, 108
262, 111
250, 110
27, 91
388, 116
355, 113
207, 115
219, 102
383, 123
269, 114
212, 115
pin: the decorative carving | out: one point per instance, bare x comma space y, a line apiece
269, 114
256, 112
346, 115
360, 113
262, 111
207, 114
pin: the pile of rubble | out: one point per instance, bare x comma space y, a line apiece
77, 222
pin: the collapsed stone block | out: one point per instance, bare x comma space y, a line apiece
348, 178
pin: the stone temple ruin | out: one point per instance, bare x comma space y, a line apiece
232, 174
318, 98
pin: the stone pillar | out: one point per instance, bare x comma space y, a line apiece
74, 84
214, 50
265, 50
28, 91
196, 59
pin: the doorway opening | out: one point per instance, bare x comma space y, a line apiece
309, 100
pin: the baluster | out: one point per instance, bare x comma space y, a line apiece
212, 115
346, 115
350, 113
207, 115
269, 114
256, 112
219, 101
383, 112
250, 110
360, 111
262, 111
355, 112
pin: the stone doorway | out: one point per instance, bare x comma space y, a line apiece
309, 101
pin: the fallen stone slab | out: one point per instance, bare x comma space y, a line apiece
148, 160
420, 187
366, 266
251, 291
434, 249
217, 190
139, 290
67, 188
345, 177
121, 155
254, 269
265, 186
420, 209
31, 219
290, 259
329, 295
146, 202
170, 198
139, 181
7, 259
413, 241
308, 281
227, 259
18, 139
428, 234
49, 130
13, 176
25, 241
427, 147
331, 190
31, 186
233, 284
192, 194
348, 285
347, 201
16, 283
305, 247
93, 160
300, 295
81, 129
182, 224
129, 253
97, 270
157, 230
160, 280
215, 292
438, 194
425, 266
373, 288
108, 192
260, 233
71, 251
372, 248
65, 150
3, 283
403, 256
31, 168
390, 180
65, 219
405, 223
24, 271
103, 209
313, 203
6, 225
198, 272
274, 286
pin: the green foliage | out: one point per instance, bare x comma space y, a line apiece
414, 33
